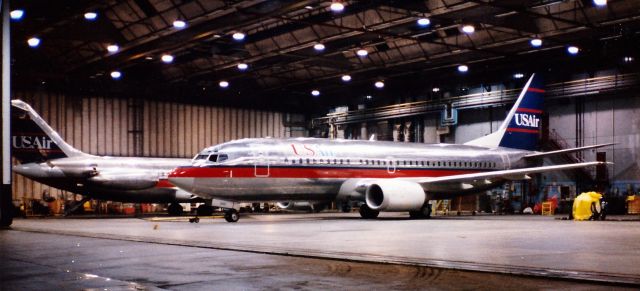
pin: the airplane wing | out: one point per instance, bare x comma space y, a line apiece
544, 154
515, 174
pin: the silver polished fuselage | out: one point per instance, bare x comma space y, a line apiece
124, 179
316, 169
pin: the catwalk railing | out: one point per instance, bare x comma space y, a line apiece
591, 86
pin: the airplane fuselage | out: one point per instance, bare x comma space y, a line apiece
316, 169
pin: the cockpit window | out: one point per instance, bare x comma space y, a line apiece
200, 157
222, 158
213, 158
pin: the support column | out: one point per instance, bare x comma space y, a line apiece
429, 133
396, 131
363, 131
340, 131
407, 131
6, 207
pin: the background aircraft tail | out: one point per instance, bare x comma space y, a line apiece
521, 128
32, 139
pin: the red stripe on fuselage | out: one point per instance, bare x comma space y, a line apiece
311, 172
164, 183
528, 110
513, 129
536, 90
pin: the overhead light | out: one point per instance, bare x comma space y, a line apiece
148, 58
242, 66
424, 21
600, 2
536, 42
308, 7
116, 75
369, 97
16, 14
223, 84
468, 29
318, 46
238, 36
167, 59
379, 84
179, 24
573, 50
463, 68
315, 93
90, 16
518, 75
628, 59
362, 52
112, 48
33, 42
337, 7
435, 89
346, 78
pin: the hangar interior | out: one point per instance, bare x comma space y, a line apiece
161, 80
195, 73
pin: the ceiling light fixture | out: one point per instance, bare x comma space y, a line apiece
518, 75
91, 16
116, 75
33, 42
435, 89
223, 84
16, 14
346, 78
424, 21
167, 59
369, 97
308, 7
336, 7
362, 52
463, 68
379, 84
628, 59
242, 66
179, 24
318, 47
573, 50
600, 2
536, 42
315, 93
112, 48
238, 36
468, 29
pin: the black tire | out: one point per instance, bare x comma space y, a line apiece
231, 215
204, 210
426, 211
368, 213
175, 209
346, 207
196, 220
415, 215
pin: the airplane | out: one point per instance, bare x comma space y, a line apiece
384, 175
46, 158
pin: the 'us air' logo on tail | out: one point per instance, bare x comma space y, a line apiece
527, 120
31, 142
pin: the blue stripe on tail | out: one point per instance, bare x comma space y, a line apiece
523, 130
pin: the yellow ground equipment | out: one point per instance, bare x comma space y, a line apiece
587, 207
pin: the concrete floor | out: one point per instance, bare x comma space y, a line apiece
322, 251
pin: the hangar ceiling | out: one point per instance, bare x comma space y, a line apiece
283, 66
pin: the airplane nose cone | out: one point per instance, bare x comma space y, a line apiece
180, 179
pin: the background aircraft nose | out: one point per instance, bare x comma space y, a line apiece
31, 170
179, 178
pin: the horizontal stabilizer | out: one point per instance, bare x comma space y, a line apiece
544, 154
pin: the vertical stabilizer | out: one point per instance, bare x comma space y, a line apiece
521, 128
32, 139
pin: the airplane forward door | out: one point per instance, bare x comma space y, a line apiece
391, 166
261, 163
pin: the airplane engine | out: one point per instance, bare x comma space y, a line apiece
394, 195
301, 205
124, 181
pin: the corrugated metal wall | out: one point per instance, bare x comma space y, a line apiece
121, 127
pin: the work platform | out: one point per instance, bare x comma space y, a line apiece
529, 247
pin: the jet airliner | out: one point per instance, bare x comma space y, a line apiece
385, 176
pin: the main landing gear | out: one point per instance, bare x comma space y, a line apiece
368, 213
231, 215
175, 209
424, 212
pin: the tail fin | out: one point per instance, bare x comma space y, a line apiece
521, 128
32, 139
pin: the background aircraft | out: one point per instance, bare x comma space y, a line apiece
386, 176
45, 157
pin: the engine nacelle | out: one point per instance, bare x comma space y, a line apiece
124, 181
395, 195
302, 205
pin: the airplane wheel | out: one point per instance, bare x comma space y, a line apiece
175, 209
232, 216
196, 220
426, 211
367, 213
